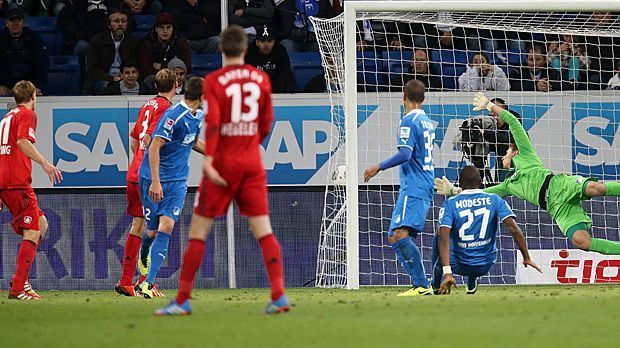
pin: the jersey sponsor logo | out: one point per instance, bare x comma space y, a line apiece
569, 267
189, 138
27, 219
168, 124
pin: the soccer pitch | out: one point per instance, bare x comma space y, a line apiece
506, 316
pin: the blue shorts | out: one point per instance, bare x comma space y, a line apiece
470, 271
409, 212
171, 205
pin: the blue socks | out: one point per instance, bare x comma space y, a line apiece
145, 246
159, 251
409, 256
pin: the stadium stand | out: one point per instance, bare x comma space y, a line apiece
64, 76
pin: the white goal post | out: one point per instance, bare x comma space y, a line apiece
339, 245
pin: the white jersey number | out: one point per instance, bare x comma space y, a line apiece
238, 92
429, 140
470, 220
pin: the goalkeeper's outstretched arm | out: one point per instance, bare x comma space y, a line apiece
522, 141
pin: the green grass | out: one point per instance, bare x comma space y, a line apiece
517, 316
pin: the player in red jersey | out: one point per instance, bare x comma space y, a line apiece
17, 136
239, 114
150, 113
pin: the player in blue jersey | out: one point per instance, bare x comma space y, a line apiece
415, 158
164, 172
468, 229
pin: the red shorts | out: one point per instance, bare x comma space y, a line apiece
134, 204
247, 187
23, 205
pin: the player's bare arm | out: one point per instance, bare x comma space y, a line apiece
518, 237
444, 253
211, 173
133, 144
155, 190
199, 146
31, 151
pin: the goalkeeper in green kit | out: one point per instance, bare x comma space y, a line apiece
558, 194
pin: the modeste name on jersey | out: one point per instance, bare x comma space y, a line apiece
238, 74
473, 202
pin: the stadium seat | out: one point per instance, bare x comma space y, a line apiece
372, 73
305, 66
63, 77
395, 62
205, 63
144, 24
449, 64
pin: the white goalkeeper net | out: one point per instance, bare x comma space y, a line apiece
558, 71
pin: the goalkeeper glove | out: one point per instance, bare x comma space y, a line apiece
481, 102
445, 187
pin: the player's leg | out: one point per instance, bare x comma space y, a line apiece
407, 219
31, 224
159, 252
130, 257
251, 197
205, 209
566, 209
134, 239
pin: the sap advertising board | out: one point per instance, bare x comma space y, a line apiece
88, 138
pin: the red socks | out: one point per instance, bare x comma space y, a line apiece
25, 257
272, 257
130, 258
191, 262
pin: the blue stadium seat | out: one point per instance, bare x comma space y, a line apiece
63, 77
372, 73
203, 64
145, 22
449, 64
305, 66
46, 28
395, 62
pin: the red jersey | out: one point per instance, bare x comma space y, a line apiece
15, 166
149, 116
238, 113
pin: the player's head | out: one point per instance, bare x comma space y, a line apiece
512, 151
469, 178
413, 94
24, 92
165, 80
233, 42
193, 90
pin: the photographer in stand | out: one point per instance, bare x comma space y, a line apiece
479, 136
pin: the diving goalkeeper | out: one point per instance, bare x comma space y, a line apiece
558, 194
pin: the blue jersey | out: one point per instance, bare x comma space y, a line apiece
181, 130
473, 217
416, 132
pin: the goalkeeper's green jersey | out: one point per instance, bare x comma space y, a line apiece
529, 173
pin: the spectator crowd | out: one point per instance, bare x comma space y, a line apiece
118, 59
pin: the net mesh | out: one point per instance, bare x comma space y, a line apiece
558, 71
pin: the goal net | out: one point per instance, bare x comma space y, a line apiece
557, 68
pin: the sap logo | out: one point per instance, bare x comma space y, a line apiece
87, 159
605, 271
596, 139
283, 147
90, 145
